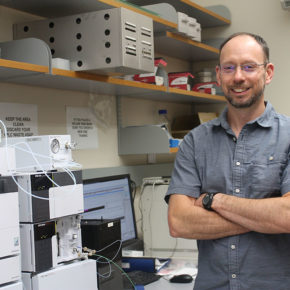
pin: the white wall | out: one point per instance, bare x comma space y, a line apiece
267, 18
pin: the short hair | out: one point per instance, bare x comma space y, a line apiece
258, 38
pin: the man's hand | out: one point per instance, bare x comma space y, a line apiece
265, 215
188, 219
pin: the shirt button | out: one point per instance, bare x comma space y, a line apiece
234, 276
238, 163
234, 139
271, 158
237, 190
233, 247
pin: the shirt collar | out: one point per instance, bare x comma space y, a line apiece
265, 120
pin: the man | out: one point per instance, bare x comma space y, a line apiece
230, 187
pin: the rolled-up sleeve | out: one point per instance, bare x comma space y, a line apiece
185, 179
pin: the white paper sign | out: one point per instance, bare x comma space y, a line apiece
20, 119
81, 125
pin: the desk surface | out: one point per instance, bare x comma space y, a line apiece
164, 284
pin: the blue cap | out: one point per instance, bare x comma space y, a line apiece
162, 112
173, 143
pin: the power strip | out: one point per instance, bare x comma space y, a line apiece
155, 180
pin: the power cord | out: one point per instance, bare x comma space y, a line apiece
133, 188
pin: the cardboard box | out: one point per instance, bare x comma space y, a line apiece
194, 30
158, 77
197, 33
183, 124
182, 23
188, 26
207, 87
180, 80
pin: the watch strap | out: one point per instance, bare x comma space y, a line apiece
208, 199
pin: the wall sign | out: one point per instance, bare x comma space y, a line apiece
20, 119
81, 125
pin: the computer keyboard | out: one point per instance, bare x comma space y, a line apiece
139, 278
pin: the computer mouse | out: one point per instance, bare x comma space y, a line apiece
182, 278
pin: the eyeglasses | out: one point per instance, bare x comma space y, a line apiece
247, 67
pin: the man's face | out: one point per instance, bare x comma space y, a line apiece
243, 88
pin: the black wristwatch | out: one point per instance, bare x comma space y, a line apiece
207, 200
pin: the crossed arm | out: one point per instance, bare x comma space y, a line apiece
231, 215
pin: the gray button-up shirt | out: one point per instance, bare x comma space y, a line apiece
254, 165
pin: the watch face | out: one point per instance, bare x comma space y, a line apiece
206, 201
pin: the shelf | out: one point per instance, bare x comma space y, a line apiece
160, 24
37, 75
132, 140
57, 8
179, 133
146, 139
143, 140
175, 45
196, 97
207, 17
10, 69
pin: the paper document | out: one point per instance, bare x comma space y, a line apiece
178, 267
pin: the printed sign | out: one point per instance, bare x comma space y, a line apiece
81, 125
20, 120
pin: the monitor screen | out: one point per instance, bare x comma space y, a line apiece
109, 198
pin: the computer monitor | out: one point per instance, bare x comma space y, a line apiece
110, 198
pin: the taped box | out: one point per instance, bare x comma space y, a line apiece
157, 77
207, 88
181, 80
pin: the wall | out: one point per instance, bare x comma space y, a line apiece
264, 17
267, 18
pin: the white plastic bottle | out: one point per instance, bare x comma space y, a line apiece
163, 120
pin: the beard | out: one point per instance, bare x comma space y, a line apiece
253, 99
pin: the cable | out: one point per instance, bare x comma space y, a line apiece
120, 246
109, 261
147, 181
133, 188
140, 205
86, 249
174, 249
122, 271
149, 214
